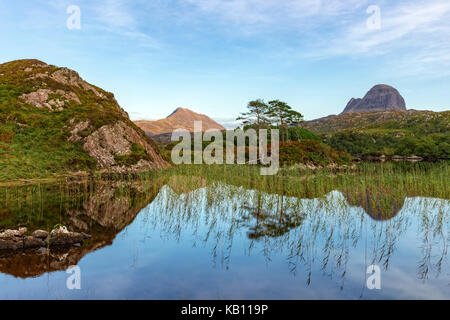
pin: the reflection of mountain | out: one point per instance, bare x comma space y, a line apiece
276, 222
323, 232
103, 214
261, 221
379, 209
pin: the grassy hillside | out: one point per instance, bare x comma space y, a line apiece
423, 133
46, 115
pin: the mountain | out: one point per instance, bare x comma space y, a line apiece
379, 125
54, 122
380, 98
181, 118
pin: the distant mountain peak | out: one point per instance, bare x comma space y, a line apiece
381, 97
178, 110
180, 118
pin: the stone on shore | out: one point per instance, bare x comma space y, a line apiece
62, 237
41, 234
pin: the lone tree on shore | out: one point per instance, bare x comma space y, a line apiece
256, 114
283, 116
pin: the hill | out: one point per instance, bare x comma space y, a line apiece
161, 130
403, 133
53, 122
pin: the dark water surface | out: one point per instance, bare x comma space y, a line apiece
220, 241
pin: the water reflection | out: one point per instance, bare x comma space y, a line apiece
103, 210
324, 231
327, 239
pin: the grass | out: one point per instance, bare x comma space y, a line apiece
34, 142
380, 186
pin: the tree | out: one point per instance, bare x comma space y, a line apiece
283, 115
295, 118
256, 114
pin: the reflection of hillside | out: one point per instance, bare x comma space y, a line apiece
103, 214
379, 208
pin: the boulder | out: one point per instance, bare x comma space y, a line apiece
41, 234
10, 234
32, 242
11, 244
62, 237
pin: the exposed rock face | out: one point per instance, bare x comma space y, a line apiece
41, 99
85, 119
115, 140
379, 98
352, 104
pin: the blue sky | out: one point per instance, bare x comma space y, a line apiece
213, 56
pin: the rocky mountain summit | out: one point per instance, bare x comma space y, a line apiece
380, 98
52, 121
181, 118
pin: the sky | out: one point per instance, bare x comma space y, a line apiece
214, 56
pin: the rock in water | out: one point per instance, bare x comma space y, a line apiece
62, 237
40, 234
380, 98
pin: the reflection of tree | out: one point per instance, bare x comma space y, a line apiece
310, 232
261, 223
105, 210
322, 233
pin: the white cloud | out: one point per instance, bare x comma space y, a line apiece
403, 26
270, 12
119, 17
414, 34
115, 13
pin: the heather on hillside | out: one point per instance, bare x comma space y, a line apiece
52, 122
402, 133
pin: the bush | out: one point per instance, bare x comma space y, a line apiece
310, 151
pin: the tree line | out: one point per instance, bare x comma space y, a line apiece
275, 113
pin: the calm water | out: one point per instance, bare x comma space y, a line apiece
225, 242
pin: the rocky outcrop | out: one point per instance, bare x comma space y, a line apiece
115, 140
14, 240
42, 98
379, 98
351, 104
87, 127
